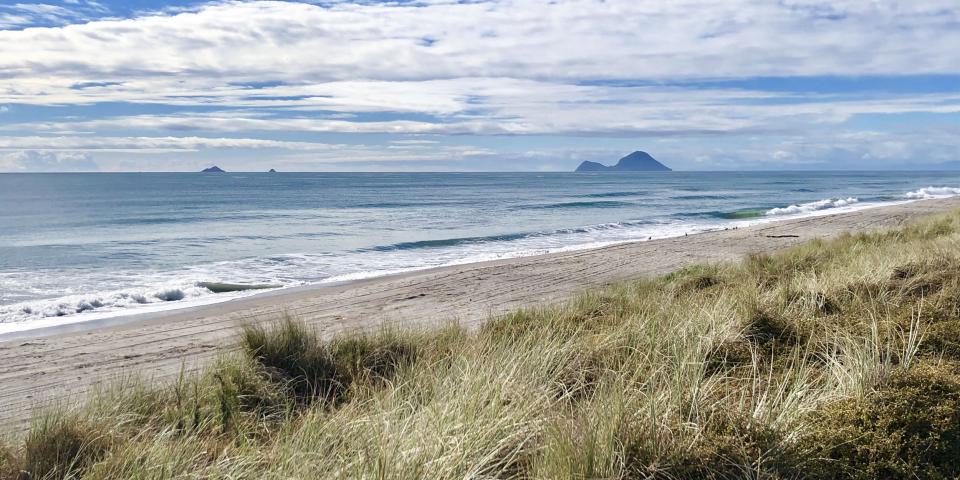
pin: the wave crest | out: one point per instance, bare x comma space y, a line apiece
106, 301
932, 192
591, 204
813, 206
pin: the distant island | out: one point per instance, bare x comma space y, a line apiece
213, 169
271, 171
635, 162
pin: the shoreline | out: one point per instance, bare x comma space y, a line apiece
64, 366
50, 326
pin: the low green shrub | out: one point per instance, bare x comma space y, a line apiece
729, 447
910, 428
943, 338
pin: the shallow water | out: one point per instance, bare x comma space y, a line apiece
81, 246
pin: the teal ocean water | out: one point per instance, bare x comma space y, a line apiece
82, 246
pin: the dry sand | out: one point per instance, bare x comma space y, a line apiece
64, 366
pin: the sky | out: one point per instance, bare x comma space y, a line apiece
479, 85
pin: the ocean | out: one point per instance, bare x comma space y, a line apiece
76, 247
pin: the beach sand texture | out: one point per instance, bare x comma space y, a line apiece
63, 367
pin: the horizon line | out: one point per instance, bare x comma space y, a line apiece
931, 170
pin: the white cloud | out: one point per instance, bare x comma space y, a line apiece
91, 152
496, 67
148, 144
20, 15
413, 142
34, 161
827, 149
782, 155
12, 20
573, 40
512, 107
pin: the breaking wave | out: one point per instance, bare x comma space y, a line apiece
812, 206
100, 301
932, 192
453, 242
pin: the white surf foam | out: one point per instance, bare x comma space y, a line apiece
813, 206
100, 301
933, 192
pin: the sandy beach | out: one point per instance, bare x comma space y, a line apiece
47, 366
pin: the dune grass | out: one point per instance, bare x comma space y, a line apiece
835, 359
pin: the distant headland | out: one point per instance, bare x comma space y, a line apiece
635, 162
213, 169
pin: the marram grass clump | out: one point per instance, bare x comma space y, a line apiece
835, 359
295, 359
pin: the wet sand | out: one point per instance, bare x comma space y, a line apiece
63, 365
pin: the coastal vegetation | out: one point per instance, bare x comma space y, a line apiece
833, 359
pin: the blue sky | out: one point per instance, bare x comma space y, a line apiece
147, 85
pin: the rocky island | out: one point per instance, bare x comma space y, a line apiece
213, 169
635, 162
